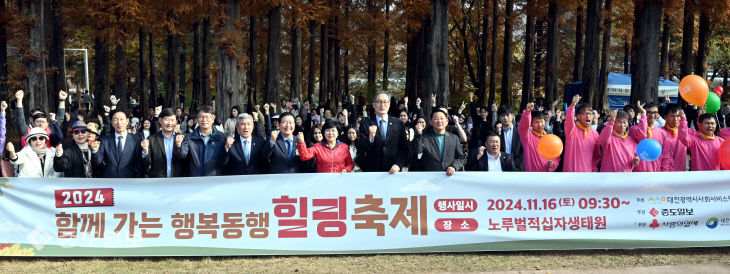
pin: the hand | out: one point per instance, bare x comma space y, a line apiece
456, 119
19, 97
107, 109
433, 99
3, 106
576, 99
229, 143
158, 109
257, 108
540, 108
62, 95
101, 120
405, 100
145, 144
682, 115
612, 117
499, 127
463, 105
701, 111
274, 135
494, 107
559, 115
636, 161
59, 150
95, 145
471, 96
551, 165
418, 102
481, 151
394, 169
266, 108
300, 137
450, 171
52, 116
640, 107
113, 100
666, 99
372, 130
530, 107
344, 111
179, 140
67, 116
10, 148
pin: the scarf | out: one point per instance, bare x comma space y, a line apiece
41, 152
707, 137
540, 134
622, 136
585, 129
649, 131
672, 129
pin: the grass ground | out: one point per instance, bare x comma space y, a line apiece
451, 262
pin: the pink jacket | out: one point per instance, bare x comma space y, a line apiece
582, 152
618, 153
328, 160
640, 132
704, 152
534, 162
674, 153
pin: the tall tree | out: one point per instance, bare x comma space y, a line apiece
703, 35
230, 76
386, 47
205, 84
666, 33
143, 82
154, 92
295, 81
528, 72
3, 49
507, 56
197, 63
644, 51
323, 73
590, 67
101, 72
120, 75
273, 60
436, 57
252, 83
171, 71
688, 30
310, 61
493, 56
605, 49
578, 60
552, 52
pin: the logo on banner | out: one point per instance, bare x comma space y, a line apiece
654, 224
654, 212
712, 223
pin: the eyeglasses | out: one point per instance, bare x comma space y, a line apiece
382, 102
83, 131
652, 112
205, 117
33, 139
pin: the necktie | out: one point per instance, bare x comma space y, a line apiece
289, 148
381, 127
246, 152
120, 146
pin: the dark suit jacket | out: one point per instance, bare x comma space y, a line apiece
381, 155
430, 159
483, 165
278, 157
155, 164
517, 151
71, 163
127, 165
236, 162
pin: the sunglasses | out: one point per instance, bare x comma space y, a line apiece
33, 139
83, 131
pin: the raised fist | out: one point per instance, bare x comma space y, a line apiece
10, 148
145, 144
373, 130
3, 106
59, 150
229, 143
576, 99
274, 135
19, 95
179, 139
482, 149
95, 145
530, 106
62, 95
107, 109
113, 100
52, 116
418, 101
257, 108
300, 136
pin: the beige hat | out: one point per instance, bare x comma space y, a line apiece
93, 127
36, 131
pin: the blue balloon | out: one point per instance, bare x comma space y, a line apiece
649, 150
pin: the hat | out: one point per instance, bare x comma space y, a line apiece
93, 127
78, 125
135, 120
36, 131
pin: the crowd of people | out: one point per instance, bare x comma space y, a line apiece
384, 135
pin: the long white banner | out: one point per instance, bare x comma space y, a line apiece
362, 213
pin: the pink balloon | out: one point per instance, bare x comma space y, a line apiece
718, 90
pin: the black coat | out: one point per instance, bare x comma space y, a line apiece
155, 163
127, 165
483, 165
430, 156
278, 157
71, 163
236, 162
516, 149
381, 155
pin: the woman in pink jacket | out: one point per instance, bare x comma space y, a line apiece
332, 156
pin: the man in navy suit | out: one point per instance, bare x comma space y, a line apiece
281, 149
382, 144
245, 151
119, 155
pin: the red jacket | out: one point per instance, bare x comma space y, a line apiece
328, 160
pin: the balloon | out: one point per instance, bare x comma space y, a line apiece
713, 103
694, 90
718, 90
723, 155
550, 146
649, 150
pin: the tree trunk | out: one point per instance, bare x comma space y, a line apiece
229, 77
553, 54
143, 82
197, 63
606, 48
644, 49
120, 75
336, 63
507, 56
4, 53
666, 33
627, 56
154, 93
101, 73
688, 33
182, 71
312, 56
205, 84
578, 61
36, 59
346, 72
295, 89
323, 64
436, 57
528, 72
58, 72
171, 84
540, 33
252, 82
590, 67
493, 57
386, 47
414, 69
331, 64
482, 61
273, 61
703, 37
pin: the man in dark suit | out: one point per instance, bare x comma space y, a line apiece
118, 154
493, 160
281, 150
382, 144
157, 150
439, 150
245, 151
509, 136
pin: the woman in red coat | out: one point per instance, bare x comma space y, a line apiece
332, 155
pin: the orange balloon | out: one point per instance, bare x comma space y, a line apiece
550, 146
694, 90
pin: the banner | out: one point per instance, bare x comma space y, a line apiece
362, 213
